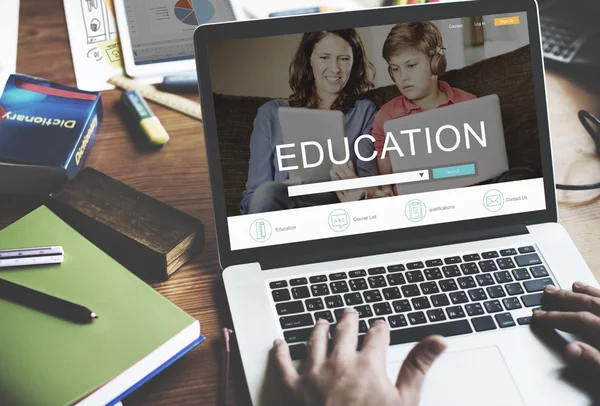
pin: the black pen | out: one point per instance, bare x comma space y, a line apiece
45, 303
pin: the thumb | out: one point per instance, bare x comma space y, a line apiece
415, 366
584, 355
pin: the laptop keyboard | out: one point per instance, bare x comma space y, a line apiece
462, 294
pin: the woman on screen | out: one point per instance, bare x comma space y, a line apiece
330, 71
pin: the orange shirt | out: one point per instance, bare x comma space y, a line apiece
401, 106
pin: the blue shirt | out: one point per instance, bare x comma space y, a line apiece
266, 135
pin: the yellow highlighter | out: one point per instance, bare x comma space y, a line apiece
149, 123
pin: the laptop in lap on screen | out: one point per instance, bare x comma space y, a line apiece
469, 263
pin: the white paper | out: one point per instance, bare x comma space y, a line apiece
9, 35
94, 42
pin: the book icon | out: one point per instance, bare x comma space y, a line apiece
260, 230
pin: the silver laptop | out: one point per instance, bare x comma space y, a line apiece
469, 263
460, 145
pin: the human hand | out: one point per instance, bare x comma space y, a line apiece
576, 312
346, 171
349, 377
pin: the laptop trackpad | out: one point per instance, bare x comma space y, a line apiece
469, 378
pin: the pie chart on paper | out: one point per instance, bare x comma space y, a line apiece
194, 12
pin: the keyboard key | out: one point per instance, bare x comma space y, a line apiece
396, 279
493, 306
524, 320
458, 297
290, 307
338, 313
339, 287
440, 300
537, 285
436, 315
336, 276
505, 320
495, 292
528, 260
376, 271
381, 309
521, 274
471, 257
300, 320
490, 255
484, 323
514, 289
415, 265
372, 321
358, 284
326, 314
401, 306
469, 268
356, 274
396, 268
281, 295
391, 293
526, 250
278, 284
334, 301
505, 263
314, 304
451, 271
534, 299
414, 276
466, 282
539, 271
417, 318
301, 292
485, 279
487, 266
298, 352
410, 290
376, 281
448, 285
414, 334
433, 274
420, 303
508, 252
429, 287
298, 281
397, 320
477, 294
362, 327
296, 336
474, 309
318, 279
364, 311
455, 312
372, 296
452, 260
353, 299
511, 303
434, 262
320, 289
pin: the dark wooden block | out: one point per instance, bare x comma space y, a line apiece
149, 237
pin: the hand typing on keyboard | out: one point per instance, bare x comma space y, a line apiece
576, 312
345, 376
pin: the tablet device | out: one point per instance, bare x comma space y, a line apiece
157, 35
302, 129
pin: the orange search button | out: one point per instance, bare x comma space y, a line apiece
506, 21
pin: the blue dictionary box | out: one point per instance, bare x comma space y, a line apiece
46, 132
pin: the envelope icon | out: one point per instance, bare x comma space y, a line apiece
493, 200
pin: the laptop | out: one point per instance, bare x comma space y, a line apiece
468, 263
463, 145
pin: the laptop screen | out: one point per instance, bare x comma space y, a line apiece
356, 131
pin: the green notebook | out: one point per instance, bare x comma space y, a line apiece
50, 361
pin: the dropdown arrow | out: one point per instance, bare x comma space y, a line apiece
421, 173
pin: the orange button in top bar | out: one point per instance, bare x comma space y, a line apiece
506, 21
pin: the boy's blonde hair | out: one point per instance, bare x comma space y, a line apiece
422, 36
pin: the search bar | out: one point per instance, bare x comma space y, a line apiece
358, 183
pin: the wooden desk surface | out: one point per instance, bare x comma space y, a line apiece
178, 175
